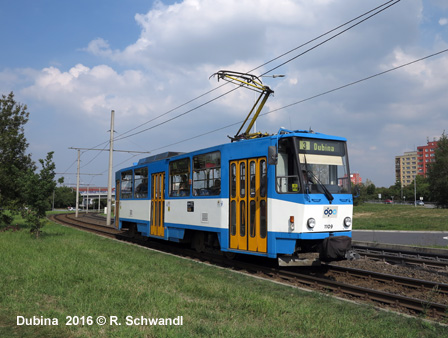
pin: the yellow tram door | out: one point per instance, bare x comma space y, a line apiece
256, 205
248, 205
117, 204
157, 204
238, 209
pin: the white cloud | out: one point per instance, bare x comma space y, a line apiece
181, 45
99, 47
443, 21
88, 91
192, 33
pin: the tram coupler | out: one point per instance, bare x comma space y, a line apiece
296, 261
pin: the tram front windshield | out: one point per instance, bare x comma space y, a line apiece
312, 166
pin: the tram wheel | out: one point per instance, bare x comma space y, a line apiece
230, 255
198, 242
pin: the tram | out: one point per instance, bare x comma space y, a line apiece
280, 196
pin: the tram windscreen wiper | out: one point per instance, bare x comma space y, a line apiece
327, 193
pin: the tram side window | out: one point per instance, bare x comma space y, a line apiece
126, 184
179, 177
287, 178
207, 174
141, 182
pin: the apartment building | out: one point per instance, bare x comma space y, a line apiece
425, 155
355, 178
414, 163
406, 167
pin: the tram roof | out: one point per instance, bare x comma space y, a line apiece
281, 134
158, 157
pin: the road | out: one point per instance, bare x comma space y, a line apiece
420, 238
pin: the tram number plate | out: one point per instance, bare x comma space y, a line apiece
328, 226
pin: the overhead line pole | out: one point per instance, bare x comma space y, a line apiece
77, 181
77, 186
109, 184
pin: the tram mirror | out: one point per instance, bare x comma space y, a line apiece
357, 191
272, 155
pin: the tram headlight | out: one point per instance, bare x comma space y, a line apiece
311, 223
347, 222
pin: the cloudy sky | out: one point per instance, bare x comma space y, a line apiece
72, 62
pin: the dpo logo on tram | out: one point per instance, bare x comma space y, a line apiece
330, 212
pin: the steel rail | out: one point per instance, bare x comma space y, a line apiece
392, 279
390, 299
403, 257
66, 219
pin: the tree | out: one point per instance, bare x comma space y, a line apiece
14, 162
371, 189
417, 189
36, 189
21, 189
438, 173
64, 197
393, 192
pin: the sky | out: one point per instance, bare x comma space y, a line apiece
72, 62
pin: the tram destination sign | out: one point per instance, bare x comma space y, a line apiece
322, 147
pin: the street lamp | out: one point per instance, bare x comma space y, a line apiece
415, 191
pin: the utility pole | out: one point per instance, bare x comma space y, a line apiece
109, 185
110, 179
415, 191
87, 207
77, 186
77, 179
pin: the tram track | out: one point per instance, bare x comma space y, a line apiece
87, 223
346, 289
404, 256
386, 279
403, 294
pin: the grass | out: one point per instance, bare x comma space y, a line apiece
71, 273
399, 217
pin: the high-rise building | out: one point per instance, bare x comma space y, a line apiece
426, 155
406, 168
355, 178
414, 163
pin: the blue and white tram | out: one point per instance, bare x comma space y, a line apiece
278, 196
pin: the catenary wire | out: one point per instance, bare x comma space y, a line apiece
389, 3
358, 81
320, 36
308, 50
309, 98
177, 116
331, 38
274, 59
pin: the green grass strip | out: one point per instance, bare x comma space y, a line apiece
71, 273
399, 217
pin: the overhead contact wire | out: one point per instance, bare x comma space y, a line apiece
320, 36
228, 92
358, 81
311, 97
332, 37
286, 53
